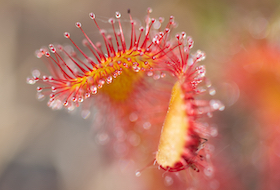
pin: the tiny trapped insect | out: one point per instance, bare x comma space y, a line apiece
119, 67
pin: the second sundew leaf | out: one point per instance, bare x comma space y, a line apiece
175, 127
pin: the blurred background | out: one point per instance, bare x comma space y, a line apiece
45, 149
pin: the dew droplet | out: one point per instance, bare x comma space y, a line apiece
52, 48
93, 89
54, 89
65, 103
200, 55
30, 80
101, 81
85, 114
78, 25
118, 15
56, 104
66, 34
40, 96
36, 73
161, 19
36, 79
213, 131
103, 31
52, 95
92, 15
133, 117
201, 71
149, 10
168, 180
212, 91
74, 98
210, 114
190, 42
200, 90
51, 100
147, 125
47, 54
50, 79
222, 108
217, 105
111, 20
208, 83
109, 79
99, 86
71, 108
80, 99
157, 24
39, 89
38, 54
102, 138
115, 74
150, 73
45, 78
190, 62
87, 95
183, 34
136, 69
208, 171
137, 173
156, 76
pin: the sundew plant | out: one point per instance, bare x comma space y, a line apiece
119, 70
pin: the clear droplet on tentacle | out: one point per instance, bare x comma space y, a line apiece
212, 91
85, 114
217, 105
137, 173
40, 96
36, 73
30, 80
168, 180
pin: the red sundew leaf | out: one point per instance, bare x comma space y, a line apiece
119, 79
